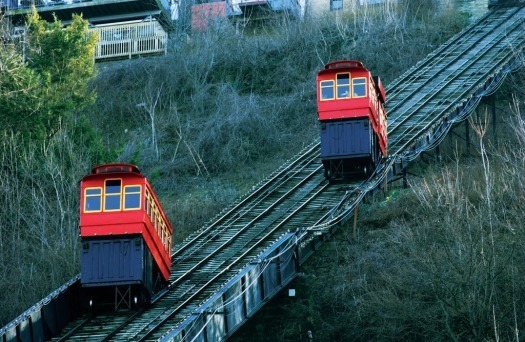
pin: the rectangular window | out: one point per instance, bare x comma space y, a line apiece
343, 86
336, 5
93, 200
112, 195
157, 220
153, 217
132, 197
148, 203
327, 90
359, 87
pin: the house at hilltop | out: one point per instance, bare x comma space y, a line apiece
128, 28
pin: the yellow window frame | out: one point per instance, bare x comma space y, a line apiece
86, 196
168, 244
125, 193
155, 218
148, 202
325, 84
106, 195
363, 84
343, 86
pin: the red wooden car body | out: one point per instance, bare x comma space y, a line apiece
119, 213
349, 99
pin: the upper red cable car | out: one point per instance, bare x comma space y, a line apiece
350, 108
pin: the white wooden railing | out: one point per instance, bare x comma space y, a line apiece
130, 39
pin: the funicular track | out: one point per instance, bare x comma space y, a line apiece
418, 100
422, 104
296, 195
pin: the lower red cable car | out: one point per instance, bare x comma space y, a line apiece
125, 235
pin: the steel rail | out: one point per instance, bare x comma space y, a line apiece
404, 82
272, 231
312, 148
461, 91
300, 163
237, 233
462, 88
247, 225
241, 259
444, 72
340, 201
249, 203
74, 330
261, 240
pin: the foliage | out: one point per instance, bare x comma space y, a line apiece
205, 123
42, 156
440, 261
19, 86
446, 267
40, 93
38, 210
224, 101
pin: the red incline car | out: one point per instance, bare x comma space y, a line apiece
350, 108
126, 237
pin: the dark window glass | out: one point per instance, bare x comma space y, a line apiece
93, 199
113, 186
336, 5
343, 79
93, 191
343, 86
359, 87
327, 90
132, 197
112, 195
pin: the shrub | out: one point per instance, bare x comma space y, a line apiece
440, 261
39, 247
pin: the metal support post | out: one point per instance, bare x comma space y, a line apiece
467, 137
494, 128
355, 221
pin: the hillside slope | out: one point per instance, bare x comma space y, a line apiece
204, 123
